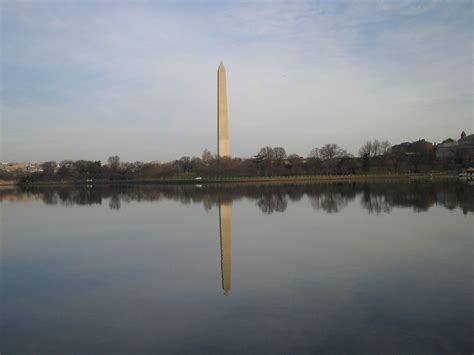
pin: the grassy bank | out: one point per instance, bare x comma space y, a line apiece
7, 182
252, 179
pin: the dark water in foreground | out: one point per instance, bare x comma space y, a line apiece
337, 268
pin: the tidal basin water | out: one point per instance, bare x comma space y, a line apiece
353, 268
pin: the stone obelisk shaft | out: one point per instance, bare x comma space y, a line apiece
222, 119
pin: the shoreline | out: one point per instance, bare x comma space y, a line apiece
242, 180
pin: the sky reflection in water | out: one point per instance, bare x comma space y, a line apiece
326, 268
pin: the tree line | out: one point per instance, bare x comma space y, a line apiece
374, 157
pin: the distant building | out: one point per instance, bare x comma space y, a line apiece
465, 149
415, 148
466, 140
449, 143
258, 157
422, 146
401, 148
445, 150
33, 168
462, 149
18, 168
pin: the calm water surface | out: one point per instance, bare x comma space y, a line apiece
325, 268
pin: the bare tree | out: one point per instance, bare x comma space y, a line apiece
114, 162
184, 163
280, 153
330, 151
267, 153
366, 150
314, 153
206, 156
375, 148
385, 147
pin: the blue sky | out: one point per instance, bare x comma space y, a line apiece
90, 79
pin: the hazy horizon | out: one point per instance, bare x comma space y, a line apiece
87, 80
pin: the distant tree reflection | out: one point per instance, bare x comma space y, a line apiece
331, 203
50, 198
377, 197
375, 203
269, 203
331, 197
114, 202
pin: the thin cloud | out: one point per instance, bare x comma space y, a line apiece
138, 79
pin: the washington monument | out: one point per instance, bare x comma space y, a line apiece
222, 119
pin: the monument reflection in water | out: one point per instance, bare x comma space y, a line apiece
365, 268
225, 239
